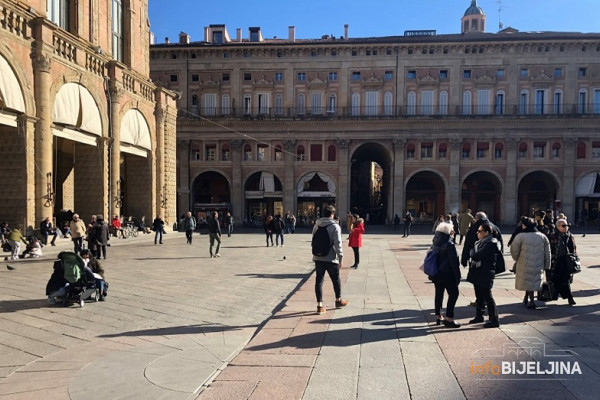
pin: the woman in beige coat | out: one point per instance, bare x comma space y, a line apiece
531, 250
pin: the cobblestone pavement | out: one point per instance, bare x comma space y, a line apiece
179, 325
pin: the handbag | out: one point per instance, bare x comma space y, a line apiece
573, 263
547, 292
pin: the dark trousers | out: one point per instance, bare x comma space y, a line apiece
100, 250
189, 235
269, 236
334, 273
229, 230
158, 235
407, 229
356, 256
214, 237
77, 244
439, 298
483, 296
45, 237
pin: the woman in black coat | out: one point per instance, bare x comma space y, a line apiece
561, 244
482, 270
448, 276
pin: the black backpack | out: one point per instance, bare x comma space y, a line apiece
321, 242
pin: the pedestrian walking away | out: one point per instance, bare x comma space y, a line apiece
214, 233
355, 240
189, 223
101, 236
332, 261
278, 229
448, 276
158, 226
408, 220
268, 227
78, 232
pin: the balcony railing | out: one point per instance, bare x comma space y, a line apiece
384, 112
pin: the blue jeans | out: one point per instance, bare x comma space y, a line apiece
46, 234
156, 235
277, 236
229, 230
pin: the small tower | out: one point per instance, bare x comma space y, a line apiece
473, 20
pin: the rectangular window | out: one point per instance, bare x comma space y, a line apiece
225, 77
316, 106
582, 104
557, 102
596, 150
301, 76
278, 76
217, 37
427, 102
596, 101
226, 154
555, 152
467, 74
412, 74
117, 29
371, 103
173, 78
263, 103
261, 152
278, 154
523, 103
247, 76
466, 153
444, 74
211, 152
247, 105
278, 104
558, 72
499, 103
388, 75
426, 150
356, 76
483, 102
316, 152
500, 73
538, 150
540, 97
333, 76
210, 104
480, 153
498, 153
58, 12
195, 78
524, 72
582, 72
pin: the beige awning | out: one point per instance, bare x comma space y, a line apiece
11, 96
8, 119
75, 107
75, 135
127, 148
135, 130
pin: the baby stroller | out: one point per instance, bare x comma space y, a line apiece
70, 281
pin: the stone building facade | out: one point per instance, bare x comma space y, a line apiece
503, 122
82, 127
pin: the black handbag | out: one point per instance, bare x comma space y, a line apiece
547, 292
573, 263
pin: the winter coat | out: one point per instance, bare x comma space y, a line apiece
464, 222
471, 238
531, 251
336, 253
101, 233
77, 229
483, 262
355, 238
158, 225
189, 223
278, 225
447, 260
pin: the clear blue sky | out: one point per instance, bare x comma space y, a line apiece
314, 19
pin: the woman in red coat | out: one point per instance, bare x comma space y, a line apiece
355, 239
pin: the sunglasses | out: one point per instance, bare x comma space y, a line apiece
563, 226
480, 231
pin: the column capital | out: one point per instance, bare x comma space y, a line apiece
343, 143
399, 142
289, 145
40, 61
236, 144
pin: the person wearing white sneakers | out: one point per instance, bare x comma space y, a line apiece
328, 255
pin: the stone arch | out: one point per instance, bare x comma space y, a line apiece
537, 189
17, 74
425, 195
481, 190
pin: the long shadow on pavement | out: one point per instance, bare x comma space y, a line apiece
179, 330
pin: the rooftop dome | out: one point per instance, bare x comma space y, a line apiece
474, 9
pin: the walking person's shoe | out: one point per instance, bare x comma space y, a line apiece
571, 301
476, 320
450, 324
492, 324
321, 310
217, 255
341, 303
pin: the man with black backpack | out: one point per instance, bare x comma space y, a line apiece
327, 255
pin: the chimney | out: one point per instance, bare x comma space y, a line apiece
238, 35
167, 40
206, 33
184, 38
346, 31
292, 33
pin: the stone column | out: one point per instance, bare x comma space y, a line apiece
159, 167
289, 184
44, 178
116, 96
343, 190
184, 183
567, 195
509, 194
399, 195
237, 190
27, 126
454, 180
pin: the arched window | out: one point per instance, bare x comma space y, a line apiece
410, 151
466, 151
500, 103
225, 152
467, 103
522, 150
581, 150
196, 153
388, 103
195, 100
557, 105
442, 151
498, 150
331, 153
411, 103
443, 103
524, 102
556, 150
355, 104
247, 152
278, 153
301, 104
582, 102
300, 153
